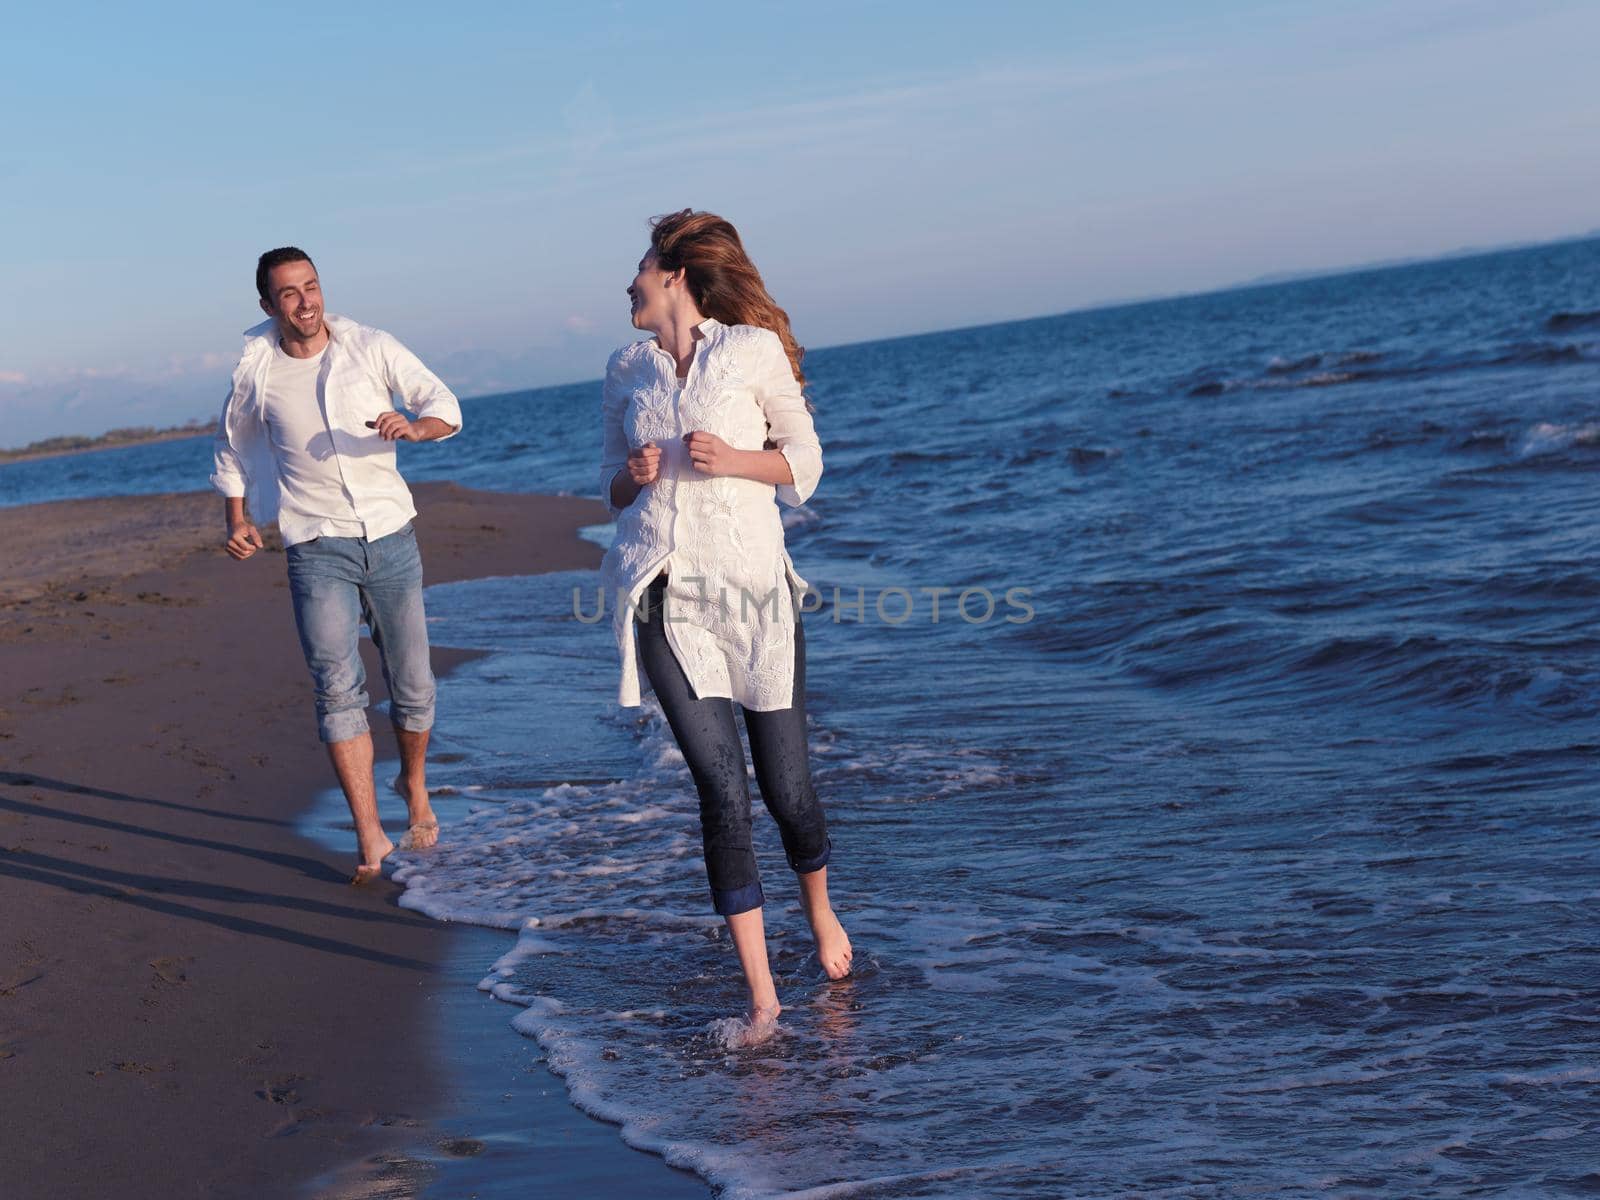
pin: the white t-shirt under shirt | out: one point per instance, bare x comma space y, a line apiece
310, 472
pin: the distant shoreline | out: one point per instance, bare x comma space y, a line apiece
56, 447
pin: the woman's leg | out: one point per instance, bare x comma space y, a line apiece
750, 944
833, 944
709, 740
779, 749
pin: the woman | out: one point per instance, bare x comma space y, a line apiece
703, 424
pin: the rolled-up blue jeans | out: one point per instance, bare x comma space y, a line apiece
339, 584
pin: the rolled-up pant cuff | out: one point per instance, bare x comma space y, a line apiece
412, 720
730, 902
804, 866
343, 725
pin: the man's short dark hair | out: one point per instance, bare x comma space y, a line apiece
276, 258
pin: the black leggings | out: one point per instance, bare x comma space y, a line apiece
709, 740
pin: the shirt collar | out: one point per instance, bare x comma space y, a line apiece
702, 331
338, 327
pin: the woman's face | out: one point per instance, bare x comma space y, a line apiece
650, 296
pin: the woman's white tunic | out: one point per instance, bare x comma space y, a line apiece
730, 608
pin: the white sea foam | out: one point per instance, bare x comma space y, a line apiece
1548, 438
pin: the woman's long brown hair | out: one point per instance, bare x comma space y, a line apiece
723, 281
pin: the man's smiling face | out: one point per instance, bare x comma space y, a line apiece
294, 300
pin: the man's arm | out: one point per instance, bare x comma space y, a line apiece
229, 476
424, 395
393, 426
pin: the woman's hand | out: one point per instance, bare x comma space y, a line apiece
644, 464
710, 454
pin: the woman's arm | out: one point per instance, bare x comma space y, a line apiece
644, 466
796, 465
615, 486
624, 469
623, 492
789, 425
713, 456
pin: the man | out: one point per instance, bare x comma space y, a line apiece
308, 436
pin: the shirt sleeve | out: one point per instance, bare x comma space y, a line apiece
613, 439
228, 473
789, 425
419, 389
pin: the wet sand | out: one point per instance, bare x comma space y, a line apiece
192, 1000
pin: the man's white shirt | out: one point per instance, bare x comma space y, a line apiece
307, 458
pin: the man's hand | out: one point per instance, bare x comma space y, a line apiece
395, 427
710, 454
644, 464
243, 540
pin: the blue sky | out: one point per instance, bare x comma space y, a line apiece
477, 178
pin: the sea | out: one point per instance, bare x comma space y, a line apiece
1203, 693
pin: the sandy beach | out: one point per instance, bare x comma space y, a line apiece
192, 1000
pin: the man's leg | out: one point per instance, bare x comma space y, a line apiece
393, 607
412, 784
323, 581
352, 762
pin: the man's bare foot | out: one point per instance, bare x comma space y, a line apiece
420, 836
833, 944
423, 826
372, 855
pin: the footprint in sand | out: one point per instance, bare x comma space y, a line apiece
170, 970
281, 1090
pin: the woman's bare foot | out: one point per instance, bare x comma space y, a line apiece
833, 944
760, 1024
423, 826
763, 1015
372, 855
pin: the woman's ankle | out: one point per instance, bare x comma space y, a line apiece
762, 995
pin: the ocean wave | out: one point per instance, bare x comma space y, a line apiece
1486, 439
1537, 354
1562, 322
1289, 366
1549, 438
900, 458
1279, 365
1357, 366
1283, 381
1409, 669
1091, 456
